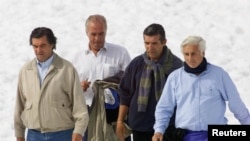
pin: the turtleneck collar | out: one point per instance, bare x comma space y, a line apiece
199, 69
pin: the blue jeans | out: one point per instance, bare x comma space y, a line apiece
34, 135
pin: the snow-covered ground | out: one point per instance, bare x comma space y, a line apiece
223, 23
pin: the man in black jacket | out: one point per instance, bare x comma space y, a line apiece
142, 83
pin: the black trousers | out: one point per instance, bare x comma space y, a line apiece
142, 136
171, 134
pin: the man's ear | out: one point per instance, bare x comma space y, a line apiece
165, 41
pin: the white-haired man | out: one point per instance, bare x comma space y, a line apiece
200, 91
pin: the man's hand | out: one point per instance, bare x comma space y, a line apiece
20, 139
120, 131
76, 137
85, 85
157, 137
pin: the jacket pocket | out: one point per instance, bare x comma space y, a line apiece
61, 114
26, 115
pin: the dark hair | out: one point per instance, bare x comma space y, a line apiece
43, 31
155, 29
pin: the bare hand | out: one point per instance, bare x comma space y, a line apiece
120, 131
157, 137
20, 139
85, 85
76, 137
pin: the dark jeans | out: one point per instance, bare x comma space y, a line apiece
142, 136
35, 135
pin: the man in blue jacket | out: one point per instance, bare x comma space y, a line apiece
200, 91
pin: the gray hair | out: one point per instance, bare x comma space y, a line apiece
96, 18
194, 40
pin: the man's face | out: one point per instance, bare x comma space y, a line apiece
154, 47
192, 55
96, 33
43, 50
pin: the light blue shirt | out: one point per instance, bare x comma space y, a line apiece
201, 100
43, 68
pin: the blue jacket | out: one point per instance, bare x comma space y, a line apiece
200, 100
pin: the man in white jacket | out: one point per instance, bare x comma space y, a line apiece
99, 59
